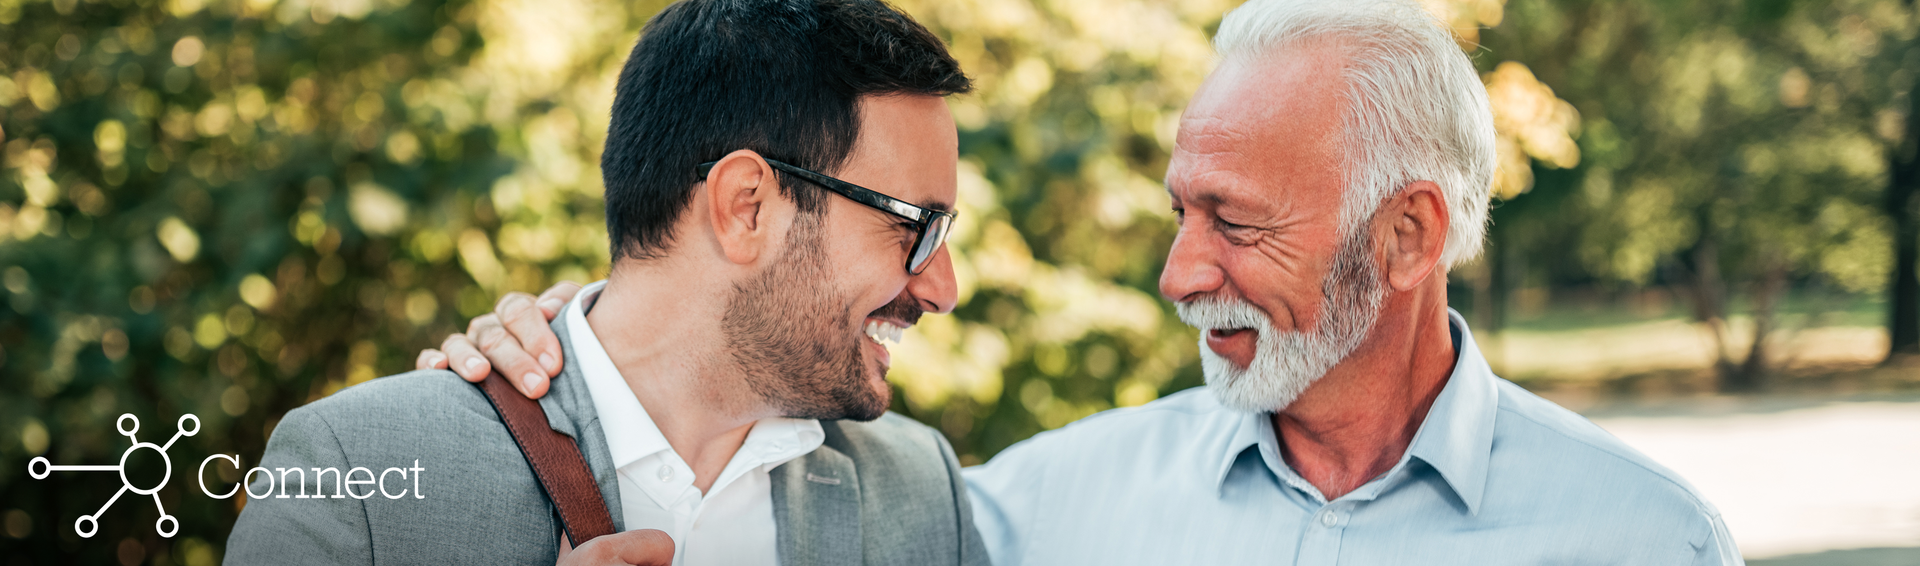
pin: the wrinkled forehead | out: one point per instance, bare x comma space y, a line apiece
1275, 105
1257, 111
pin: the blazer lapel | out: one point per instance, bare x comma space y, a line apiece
816, 509
570, 411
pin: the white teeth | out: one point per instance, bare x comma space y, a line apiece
883, 332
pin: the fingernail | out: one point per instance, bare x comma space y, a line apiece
546, 361
550, 304
435, 359
473, 364
531, 380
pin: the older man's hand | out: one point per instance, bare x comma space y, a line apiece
644, 547
515, 337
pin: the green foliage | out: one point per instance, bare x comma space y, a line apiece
1761, 128
229, 210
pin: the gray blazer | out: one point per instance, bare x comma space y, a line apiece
882, 492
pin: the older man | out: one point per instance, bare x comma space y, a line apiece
1325, 177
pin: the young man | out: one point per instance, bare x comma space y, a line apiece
1326, 176
726, 384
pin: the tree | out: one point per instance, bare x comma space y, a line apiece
1729, 148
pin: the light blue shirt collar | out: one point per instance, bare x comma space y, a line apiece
1456, 439
1493, 475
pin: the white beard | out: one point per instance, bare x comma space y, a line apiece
1285, 363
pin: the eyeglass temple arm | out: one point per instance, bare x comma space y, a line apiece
858, 193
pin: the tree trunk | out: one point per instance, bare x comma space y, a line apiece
1710, 302
1752, 372
1903, 315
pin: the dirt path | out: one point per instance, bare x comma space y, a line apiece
1793, 477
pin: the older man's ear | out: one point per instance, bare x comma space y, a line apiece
1412, 229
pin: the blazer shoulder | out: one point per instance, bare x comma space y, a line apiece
891, 437
471, 497
422, 395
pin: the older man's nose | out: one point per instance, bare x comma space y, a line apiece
1192, 269
934, 289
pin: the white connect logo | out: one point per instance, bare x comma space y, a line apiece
39, 468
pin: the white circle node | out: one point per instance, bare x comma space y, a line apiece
189, 418
46, 467
167, 526
86, 526
165, 461
126, 429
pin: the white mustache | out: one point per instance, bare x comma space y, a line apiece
1215, 313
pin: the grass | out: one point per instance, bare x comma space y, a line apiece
1583, 350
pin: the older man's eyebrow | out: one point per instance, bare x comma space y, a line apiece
1205, 197
936, 205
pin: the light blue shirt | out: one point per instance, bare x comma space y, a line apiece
1495, 475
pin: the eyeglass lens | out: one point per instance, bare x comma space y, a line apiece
930, 241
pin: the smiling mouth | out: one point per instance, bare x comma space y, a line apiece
883, 331
1223, 333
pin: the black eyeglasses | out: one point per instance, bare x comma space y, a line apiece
930, 225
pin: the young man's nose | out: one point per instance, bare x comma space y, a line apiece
934, 289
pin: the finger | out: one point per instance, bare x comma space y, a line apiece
430, 359
464, 358
531, 329
503, 353
644, 547
556, 297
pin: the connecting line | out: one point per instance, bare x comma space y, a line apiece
110, 500
176, 436
81, 468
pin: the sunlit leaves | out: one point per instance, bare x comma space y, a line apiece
1532, 123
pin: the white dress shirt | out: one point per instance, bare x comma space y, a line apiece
1495, 476
733, 522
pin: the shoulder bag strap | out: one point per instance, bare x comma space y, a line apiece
556, 461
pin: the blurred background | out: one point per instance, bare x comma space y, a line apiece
1704, 230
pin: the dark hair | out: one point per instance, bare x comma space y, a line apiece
779, 77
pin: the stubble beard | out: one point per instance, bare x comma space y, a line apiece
1285, 363
788, 336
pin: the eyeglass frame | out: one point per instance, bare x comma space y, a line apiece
924, 219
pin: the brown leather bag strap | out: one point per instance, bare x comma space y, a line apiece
556, 461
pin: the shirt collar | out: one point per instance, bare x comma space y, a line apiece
630, 431
1456, 439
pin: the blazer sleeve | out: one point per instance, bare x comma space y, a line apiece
291, 530
973, 552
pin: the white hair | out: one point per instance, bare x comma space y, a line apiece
1417, 110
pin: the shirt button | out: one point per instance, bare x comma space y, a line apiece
1328, 519
666, 473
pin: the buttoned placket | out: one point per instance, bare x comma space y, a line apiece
1327, 522
1320, 544
670, 484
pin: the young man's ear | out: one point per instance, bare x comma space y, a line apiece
742, 194
1415, 234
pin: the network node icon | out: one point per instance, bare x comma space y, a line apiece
39, 468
